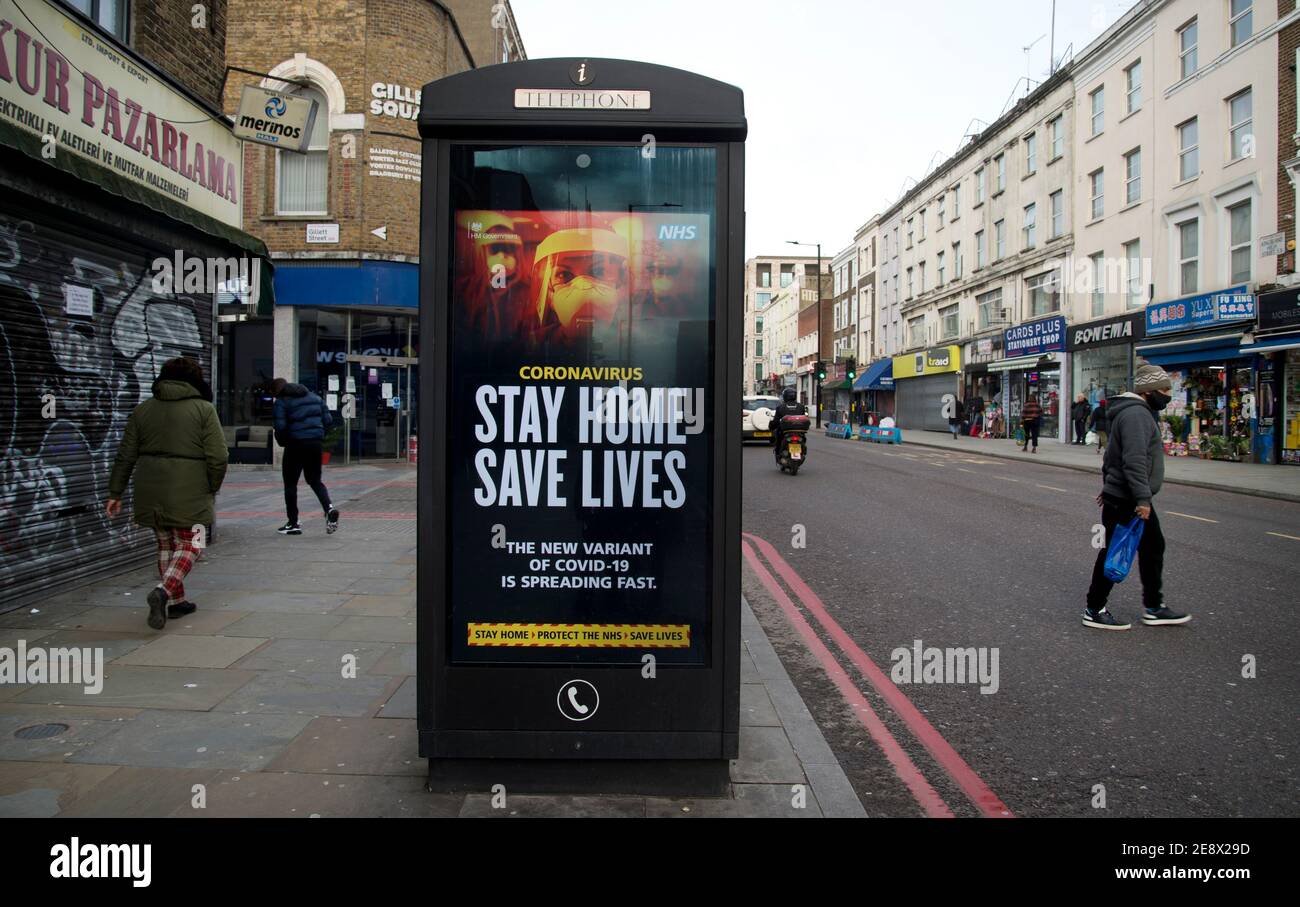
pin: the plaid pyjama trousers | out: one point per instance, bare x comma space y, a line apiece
177, 553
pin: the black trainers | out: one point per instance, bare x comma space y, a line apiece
290, 529
1103, 620
332, 521
1164, 617
157, 607
180, 609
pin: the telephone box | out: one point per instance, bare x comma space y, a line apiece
581, 281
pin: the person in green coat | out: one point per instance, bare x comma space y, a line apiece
176, 441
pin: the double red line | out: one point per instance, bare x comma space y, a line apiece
940, 749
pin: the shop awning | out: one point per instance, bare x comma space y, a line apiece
1216, 348
1273, 344
1019, 362
879, 376
837, 385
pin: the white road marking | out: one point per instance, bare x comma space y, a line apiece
1191, 517
1283, 535
1006, 478
1054, 488
964, 469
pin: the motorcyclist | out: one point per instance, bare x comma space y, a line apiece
790, 406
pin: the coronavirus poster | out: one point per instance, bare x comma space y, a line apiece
579, 469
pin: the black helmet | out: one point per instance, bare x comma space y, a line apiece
788, 395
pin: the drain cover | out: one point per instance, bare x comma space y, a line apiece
40, 731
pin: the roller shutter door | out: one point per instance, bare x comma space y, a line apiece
68, 381
918, 402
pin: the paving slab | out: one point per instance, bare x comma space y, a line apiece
10, 636
273, 600
766, 757
400, 659
201, 622
311, 694
44, 789
402, 703
298, 795
174, 739
143, 792
113, 645
746, 801
376, 629
42, 616
756, 706
379, 606
80, 734
193, 651
146, 687
480, 806
284, 626
369, 585
354, 746
315, 655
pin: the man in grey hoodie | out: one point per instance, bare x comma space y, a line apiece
1132, 473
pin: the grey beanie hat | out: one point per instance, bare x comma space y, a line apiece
1150, 378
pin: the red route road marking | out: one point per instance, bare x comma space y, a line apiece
971, 784
904, 767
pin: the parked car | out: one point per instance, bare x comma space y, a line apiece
758, 417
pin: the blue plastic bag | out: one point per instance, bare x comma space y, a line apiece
1123, 550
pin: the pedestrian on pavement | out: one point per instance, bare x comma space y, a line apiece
175, 439
956, 418
1031, 417
1100, 424
301, 420
1079, 413
1132, 472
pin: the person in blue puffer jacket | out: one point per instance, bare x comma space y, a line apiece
301, 420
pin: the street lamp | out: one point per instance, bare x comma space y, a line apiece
817, 395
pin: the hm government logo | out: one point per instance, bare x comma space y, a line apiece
276, 107
103, 861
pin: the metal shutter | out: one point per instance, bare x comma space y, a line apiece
54, 477
918, 402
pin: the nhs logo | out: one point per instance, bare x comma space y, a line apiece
677, 231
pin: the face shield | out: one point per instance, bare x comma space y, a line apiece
581, 277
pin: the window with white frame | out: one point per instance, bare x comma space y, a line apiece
989, 308
895, 242
1133, 176
1097, 99
1044, 293
979, 186
110, 15
1057, 199
911, 232
1098, 268
916, 331
1189, 256
981, 250
1240, 20
939, 269
956, 261
948, 323
956, 201
1239, 243
920, 233
1189, 154
1187, 45
1133, 86
999, 239
942, 203
1133, 266
909, 283
1031, 152
920, 276
1000, 165
302, 180
1030, 229
1056, 132
1241, 138
1097, 192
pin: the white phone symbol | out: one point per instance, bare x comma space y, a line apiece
573, 701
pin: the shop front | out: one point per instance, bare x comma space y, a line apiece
1277, 344
1101, 356
982, 388
357, 340
111, 263
926, 385
873, 391
1033, 367
1198, 340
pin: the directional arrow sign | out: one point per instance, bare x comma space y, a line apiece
381, 232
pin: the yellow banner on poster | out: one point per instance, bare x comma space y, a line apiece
583, 636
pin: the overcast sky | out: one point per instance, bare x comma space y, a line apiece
846, 99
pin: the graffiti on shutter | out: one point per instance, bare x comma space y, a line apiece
94, 368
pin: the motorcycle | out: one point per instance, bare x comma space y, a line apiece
792, 443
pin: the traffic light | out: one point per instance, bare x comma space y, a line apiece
821, 370
850, 368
